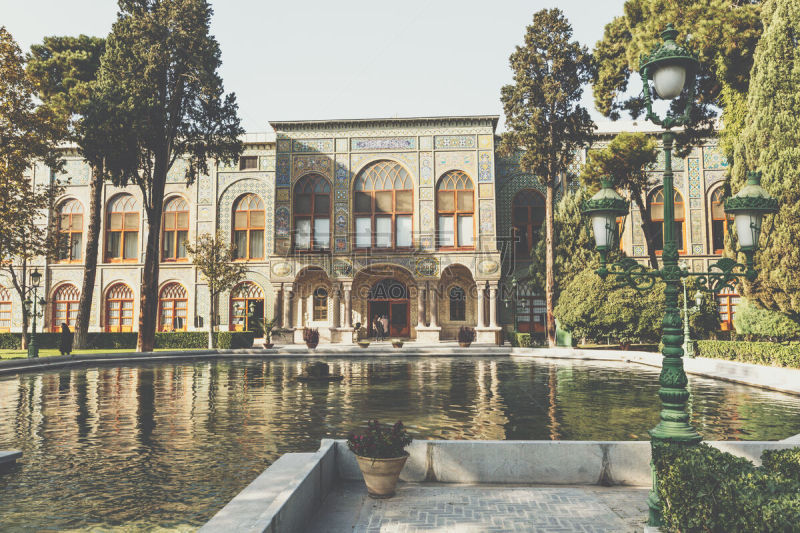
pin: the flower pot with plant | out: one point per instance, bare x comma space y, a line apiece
466, 336
380, 452
311, 337
269, 326
397, 343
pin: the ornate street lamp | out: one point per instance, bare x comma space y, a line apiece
672, 69
699, 299
604, 208
31, 308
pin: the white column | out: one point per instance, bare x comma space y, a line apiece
420, 306
348, 308
434, 292
481, 320
335, 307
286, 304
298, 309
493, 305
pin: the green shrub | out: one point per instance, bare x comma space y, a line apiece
704, 489
227, 340
112, 341
9, 341
783, 462
764, 324
519, 340
760, 353
182, 340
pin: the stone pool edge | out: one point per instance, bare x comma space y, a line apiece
286, 495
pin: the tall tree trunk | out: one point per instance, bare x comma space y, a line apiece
211, 319
21, 286
549, 264
148, 308
81, 339
646, 230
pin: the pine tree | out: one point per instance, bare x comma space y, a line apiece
545, 120
770, 143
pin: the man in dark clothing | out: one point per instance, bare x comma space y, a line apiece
65, 347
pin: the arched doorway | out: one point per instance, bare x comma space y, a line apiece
389, 298
247, 308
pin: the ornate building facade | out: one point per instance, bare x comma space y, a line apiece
339, 222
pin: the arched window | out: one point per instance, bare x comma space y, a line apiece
122, 229
173, 305
527, 216
247, 307
248, 227
65, 306
175, 230
458, 304
719, 221
5, 310
384, 203
312, 213
70, 231
119, 308
657, 220
455, 202
320, 304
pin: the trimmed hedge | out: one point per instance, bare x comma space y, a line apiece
183, 340
704, 489
761, 353
517, 339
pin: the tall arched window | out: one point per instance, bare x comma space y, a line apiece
719, 221
247, 307
455, 199
458, 304
384, 203
5, 310
173, 307
65, 306
657, 220
122, 229
119, 308
248, 227
175, 230
527, 216
320, 304
312, 213
70, 231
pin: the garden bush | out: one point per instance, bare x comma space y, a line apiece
704, 489
761, 353
517, 339
180, 340
756, 324
783, 462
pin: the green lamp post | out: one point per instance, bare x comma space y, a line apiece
34, 305
671, 69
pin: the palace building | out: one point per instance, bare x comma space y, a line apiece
416, 219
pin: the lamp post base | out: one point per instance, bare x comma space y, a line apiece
33, 351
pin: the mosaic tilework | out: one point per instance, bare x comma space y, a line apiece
486, 190
177, 174
340, 245
448, 142
282, 221
266, 162
426, 215
383, 143
506, 190
713, 176
638, 250
226, 178
697, 249
677, 162
341, 145
426, 193
455, 160
485, 167
426, 168
283, 171
341, 217
205, 190
341, 195
638, 236
487, 217
76, 171
426, 242
485, 141
303, 164
695, 203
342, 175
695, 178
697, 265
312, 145
282, 195
713, 158
576, 165
426, 143
358, 161
284, 145
697, 226
229, 195
426, 267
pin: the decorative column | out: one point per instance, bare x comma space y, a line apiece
493, 305
481, 320
298, 310
348, 307
434, 293
286, 305
420, 306
336, 310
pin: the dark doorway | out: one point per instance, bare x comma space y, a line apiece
389, 298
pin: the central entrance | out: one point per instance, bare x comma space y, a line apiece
389, 298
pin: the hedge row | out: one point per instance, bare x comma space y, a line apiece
704, 489
518, 339
761, 353
185, 340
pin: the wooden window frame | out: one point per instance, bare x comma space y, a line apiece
173, 233
242, 164
651, 202
461, 307
118, 302
246, 299
373, 215
446, 179
249, 229
68, 234
725, 299
530, 227
71, 305
725, 220
6, 313
174, 300
123, 231
317, 306
312, 180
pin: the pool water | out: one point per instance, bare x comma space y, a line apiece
165, 446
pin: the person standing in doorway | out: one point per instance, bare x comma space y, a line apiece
385, 325
378, 325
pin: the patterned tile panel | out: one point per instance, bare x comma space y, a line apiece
76, 171
713, 158
341, 145
450, 142
426, 168
487, 217
283, 174
266, 162
284, 145
383, 143
506, 191
695, 178
312, 145
229, 195
485, 167
303, 164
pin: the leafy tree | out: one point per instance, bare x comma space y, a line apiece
764, 324
213, 255
29, 133
770, 143
65, 70
160, 74
545, 120
724, 33
625, 160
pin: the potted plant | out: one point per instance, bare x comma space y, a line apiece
269, 326
311, 337
397, 343
364, 343
380, 452
466, 336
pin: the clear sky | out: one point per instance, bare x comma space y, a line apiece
320, 59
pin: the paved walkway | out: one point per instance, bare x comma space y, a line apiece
482, 508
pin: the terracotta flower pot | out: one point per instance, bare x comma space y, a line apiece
268, 345
464, 344
311, 345
381, 475
363, 344
397, 344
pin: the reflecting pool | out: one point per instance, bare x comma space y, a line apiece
143, 447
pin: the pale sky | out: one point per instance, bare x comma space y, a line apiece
321, 59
